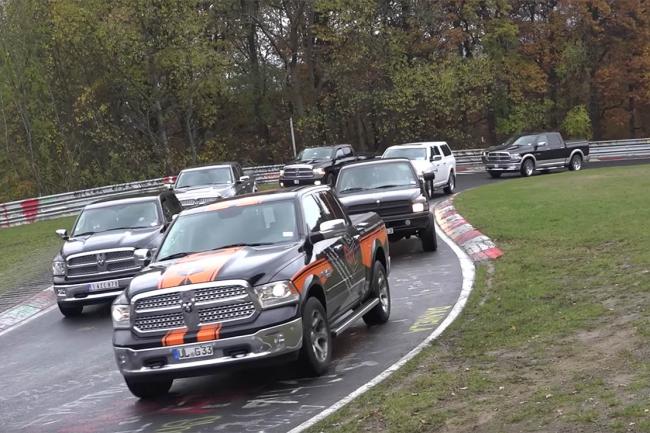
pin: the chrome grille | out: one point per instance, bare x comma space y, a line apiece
242, 310
160, 301
102, 262
498, 156
298, 172
192, 305
384, 209
188, 203
160, 321
212, 293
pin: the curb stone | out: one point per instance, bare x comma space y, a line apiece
27, 309
478, 246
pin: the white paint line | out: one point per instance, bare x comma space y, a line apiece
468, 271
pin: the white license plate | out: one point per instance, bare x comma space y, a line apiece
190, 352
104, 285
296, 181
389, 230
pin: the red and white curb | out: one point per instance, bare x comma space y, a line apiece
32, 308
478, 246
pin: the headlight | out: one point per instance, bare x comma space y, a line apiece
515, 156
319, 172
418, 207
282, 172
121, 312
275, 294
58, 268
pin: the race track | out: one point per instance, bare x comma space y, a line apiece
59, 375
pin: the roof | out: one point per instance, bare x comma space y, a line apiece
376, 161
254, 198
328, 146
204, 167
128, 198
420, 144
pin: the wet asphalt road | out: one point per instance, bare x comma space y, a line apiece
59, 375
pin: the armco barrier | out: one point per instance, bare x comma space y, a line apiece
69, 203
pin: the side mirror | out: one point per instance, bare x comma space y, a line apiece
63, 234
142, 256
244, 178
429, 175
436, 157
327, 229
541, 144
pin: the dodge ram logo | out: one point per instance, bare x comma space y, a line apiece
101, 260
188, 306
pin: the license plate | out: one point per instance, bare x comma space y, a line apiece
389, 230
190, 352
104, 285
296, 181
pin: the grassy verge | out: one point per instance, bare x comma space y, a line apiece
555, 335
27, 252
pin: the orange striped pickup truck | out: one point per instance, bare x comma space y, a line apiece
268, 277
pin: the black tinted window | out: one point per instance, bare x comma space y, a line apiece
314, 213
446, 150
542, 140
331, 205
435, 151
340, 153
555, 141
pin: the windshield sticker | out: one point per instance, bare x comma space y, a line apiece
287, 234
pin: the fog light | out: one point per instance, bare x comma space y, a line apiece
122, 359
278, 340
407, 222
60, 292
281, 183
317, 182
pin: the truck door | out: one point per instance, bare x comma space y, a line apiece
542, 152
438, 166
335, 283
559, 152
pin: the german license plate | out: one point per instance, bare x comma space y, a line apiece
104, 285
190, 352
389, 230
296, 181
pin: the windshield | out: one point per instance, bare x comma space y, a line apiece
117, 216
258, 223
315, 153
412, 153
522, 140
206, 176
375, 176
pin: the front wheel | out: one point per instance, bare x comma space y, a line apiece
428, 236
73, 310
379, 288
451, 184
495, 174
576, 163
528, 167
150, 388
316, 351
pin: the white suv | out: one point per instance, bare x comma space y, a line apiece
429, 156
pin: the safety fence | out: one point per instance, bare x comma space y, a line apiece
70, 203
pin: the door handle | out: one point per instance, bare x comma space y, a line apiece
338, 247
356, 237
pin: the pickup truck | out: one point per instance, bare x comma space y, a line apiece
392, 189
542, 151
318, 165
204, 185
98, 259
267, 277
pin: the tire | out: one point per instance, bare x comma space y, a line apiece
148, 389
428, 236
380, 289
495, 174
576, 162
528, 167
71, 310
329, 179
316, 352
451, 184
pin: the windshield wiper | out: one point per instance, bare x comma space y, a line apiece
390, 186
356, 188
242, 244
83, 234
176, 256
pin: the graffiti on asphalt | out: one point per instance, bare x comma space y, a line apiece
429, 319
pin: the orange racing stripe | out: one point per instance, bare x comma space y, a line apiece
209, 332
174, 338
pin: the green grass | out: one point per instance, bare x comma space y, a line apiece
27, 252
555, 335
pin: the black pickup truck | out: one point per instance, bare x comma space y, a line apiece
318, 165
542, 151
107, 247
392, 188
268, 277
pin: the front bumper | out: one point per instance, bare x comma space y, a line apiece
502, 166
83, 294
408, 223
266, 343
286, 181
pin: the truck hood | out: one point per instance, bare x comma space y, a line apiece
257, 265
507, 148
383, 195
312, 163
221, 190
130, 238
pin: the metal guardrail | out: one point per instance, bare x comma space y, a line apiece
69, 203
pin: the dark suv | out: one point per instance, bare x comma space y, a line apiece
108, 245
